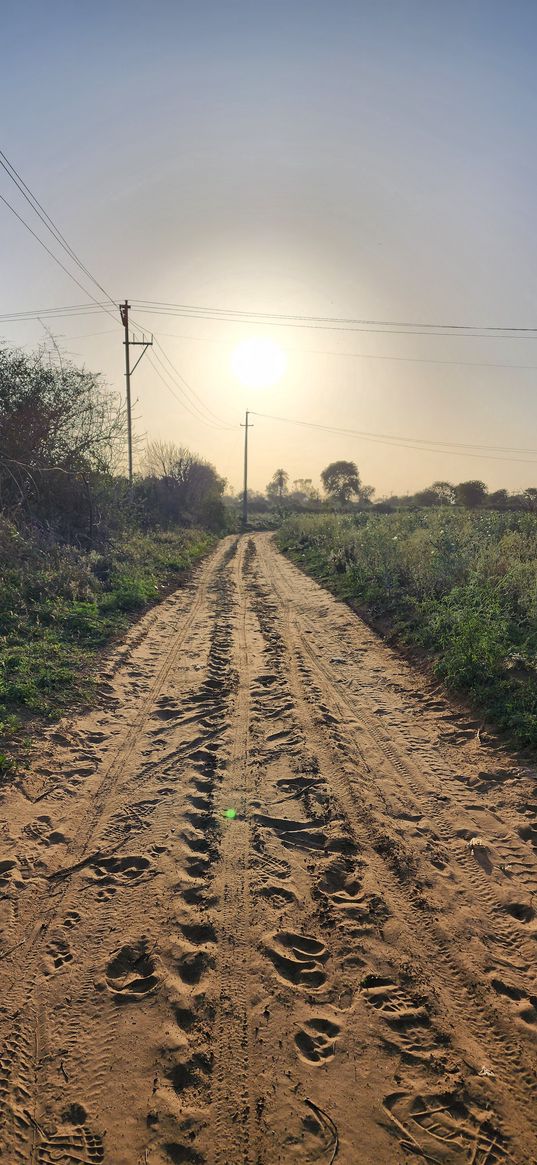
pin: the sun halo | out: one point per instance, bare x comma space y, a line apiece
258, 362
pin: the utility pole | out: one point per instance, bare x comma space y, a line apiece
246, 426
128, 343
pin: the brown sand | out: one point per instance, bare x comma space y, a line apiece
345, 971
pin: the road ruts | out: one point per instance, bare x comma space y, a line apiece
376, 791
342, 969
231, 1119
85, 829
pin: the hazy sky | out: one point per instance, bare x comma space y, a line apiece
342, 159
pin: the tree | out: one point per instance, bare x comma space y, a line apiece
341, 481
445, 492
305, 487
179, 487
426, 497
470, 493
499, 500
277, 486
530, 498
162, 458
366, 494
62, 435
303, 492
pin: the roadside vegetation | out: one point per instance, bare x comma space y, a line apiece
459, 584
81, 551
61, 605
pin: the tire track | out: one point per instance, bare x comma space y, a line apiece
471, 1009
45, 950
232, 1141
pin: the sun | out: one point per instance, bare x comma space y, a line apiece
258, 362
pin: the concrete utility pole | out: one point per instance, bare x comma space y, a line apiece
145, 344
246, 426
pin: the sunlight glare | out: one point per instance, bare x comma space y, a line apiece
258, 362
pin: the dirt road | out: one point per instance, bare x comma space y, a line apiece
342, 971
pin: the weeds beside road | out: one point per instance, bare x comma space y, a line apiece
59, 606
461, 585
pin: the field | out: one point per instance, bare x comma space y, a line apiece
459, 585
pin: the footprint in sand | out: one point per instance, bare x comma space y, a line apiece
521, 911
446, 1128
58, 954
71, 920
191, 1073
294, 834
71, 1144
529, 833
526, 1005
121, 871
278, 896
316, 1040
298, 959
410, 1024
131, 973
6, 872
397, 1008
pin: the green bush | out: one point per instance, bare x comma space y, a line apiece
60, 604
462, 585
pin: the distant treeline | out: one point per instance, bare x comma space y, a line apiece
343, 490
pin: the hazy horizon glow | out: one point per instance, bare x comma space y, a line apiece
373, 162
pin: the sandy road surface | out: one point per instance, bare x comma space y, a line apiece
345, 971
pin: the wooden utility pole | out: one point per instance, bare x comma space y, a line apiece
246, 426
145, 344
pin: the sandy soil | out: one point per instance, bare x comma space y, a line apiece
344, 971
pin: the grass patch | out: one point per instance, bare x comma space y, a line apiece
461, 586
60, 606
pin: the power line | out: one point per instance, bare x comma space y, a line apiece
47, 249
48, 222
76, 310
59, 238
430, 446
189, 389
90, 335
183, 385
73, 310
378, 331
338, 321
162, 373
367, 355
381, 328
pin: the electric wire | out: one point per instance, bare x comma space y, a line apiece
49, 252
366, 355
162, 373
181, 400
73, 310
378, 331
76, 310
221, 315
337, 320
182, 383
219, 420
59, 238
416, 443
48, 222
